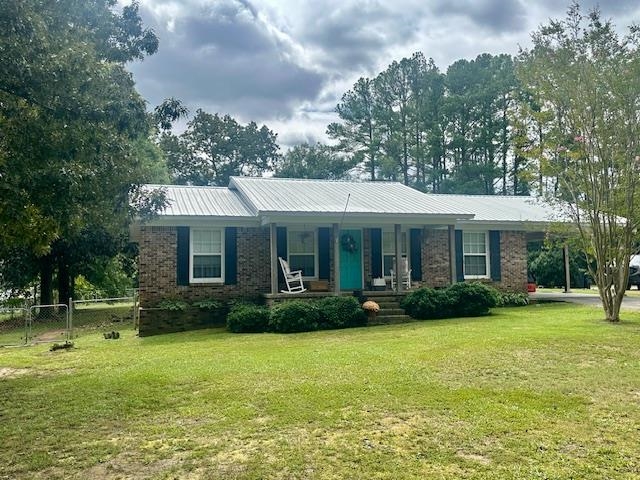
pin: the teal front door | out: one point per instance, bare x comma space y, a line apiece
351, 259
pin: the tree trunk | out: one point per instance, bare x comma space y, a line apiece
46, 280
64, 280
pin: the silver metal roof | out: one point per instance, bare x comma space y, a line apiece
248, 198
203, 201
500, 208
283, 195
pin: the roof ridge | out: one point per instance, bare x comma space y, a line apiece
323, 180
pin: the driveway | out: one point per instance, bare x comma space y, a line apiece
629, 302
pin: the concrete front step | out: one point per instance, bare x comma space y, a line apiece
391, 311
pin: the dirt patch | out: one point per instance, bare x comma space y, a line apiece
50, 336
8, 372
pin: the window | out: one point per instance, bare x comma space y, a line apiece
303, 252
476, 258
206, 259
389, 250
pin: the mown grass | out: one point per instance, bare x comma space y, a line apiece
544, 391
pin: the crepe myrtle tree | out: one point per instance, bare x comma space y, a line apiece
587, 78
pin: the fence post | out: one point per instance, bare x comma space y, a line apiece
70, 320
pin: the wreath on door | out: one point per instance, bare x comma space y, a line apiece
349, 243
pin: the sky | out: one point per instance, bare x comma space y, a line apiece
287, 63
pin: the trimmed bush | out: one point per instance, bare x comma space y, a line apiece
427, 303
471, 299
512, 299
248, 318
295, 316
458, 300
340, 312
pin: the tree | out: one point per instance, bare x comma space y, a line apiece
587, 79
314, 161
214, 148
359, 133
71, 126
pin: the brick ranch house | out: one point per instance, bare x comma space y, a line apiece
224, 242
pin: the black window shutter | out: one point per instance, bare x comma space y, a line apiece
415, 248
281, 241
230, 256
182, 258
324, 241
376, 252
494, 255
459, 257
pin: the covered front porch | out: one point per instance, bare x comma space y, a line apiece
350, 257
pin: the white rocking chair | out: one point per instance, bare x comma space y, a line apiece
292, 279
405, 274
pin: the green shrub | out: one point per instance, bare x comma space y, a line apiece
512, 299
457, 300
173, 304
248, 318
340, 312
295, 316
427, 303
471, 299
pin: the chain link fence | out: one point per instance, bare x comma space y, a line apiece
49, 323
104, 312
59, 322
14, 326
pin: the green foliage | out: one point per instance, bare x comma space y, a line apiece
340, 312
214, 148
426, 303
85, 290
210, 305
546, 263
458, 300
584, 80
314, 161
173, 304
73, 134
438, 132
248, 318
512, 299
295, 316
471, 299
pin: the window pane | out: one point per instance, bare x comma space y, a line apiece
388, 242
474, 242
302, 242
475, 265
207, 241
388, 265
306, 263
207, 266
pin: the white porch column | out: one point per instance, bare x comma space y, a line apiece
452, 253
336, 259
398, 270
274, 257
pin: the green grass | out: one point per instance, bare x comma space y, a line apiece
546, 391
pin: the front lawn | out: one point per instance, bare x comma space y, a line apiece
545, 391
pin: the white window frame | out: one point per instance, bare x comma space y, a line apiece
485, 254
191, 255
384, 253
314, 231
